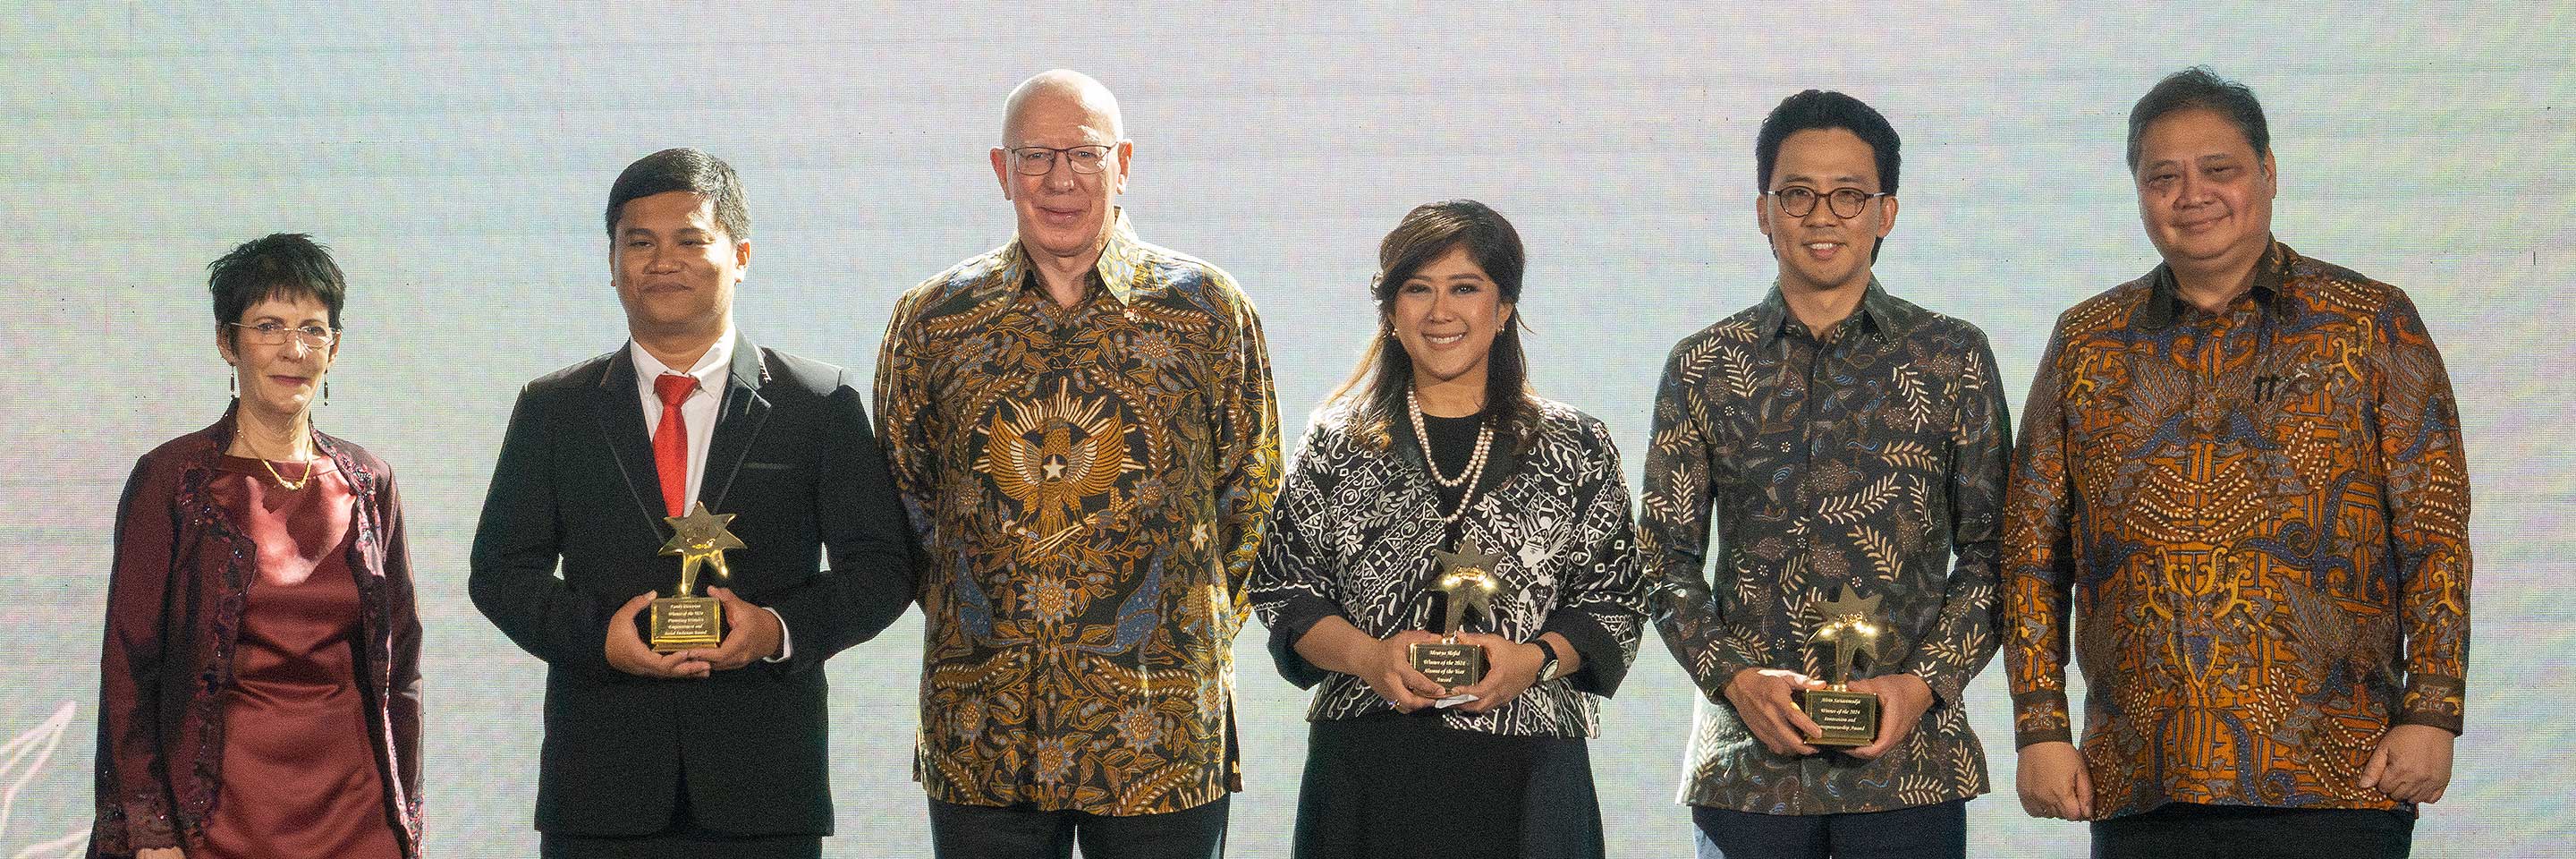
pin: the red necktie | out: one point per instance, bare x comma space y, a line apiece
671, 440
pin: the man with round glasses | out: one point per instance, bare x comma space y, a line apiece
1844, 446
1082, 428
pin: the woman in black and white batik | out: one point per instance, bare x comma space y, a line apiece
1435, 458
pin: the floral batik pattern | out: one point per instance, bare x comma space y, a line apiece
1088, 483
2256, 518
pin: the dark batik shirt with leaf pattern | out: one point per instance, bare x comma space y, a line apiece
2256, 521
1868, 457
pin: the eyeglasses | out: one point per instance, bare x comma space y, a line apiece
1797, 201
1039, 160
273, 334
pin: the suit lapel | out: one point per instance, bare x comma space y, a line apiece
745, 410
621, 424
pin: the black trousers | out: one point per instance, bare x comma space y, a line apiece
986, 832
1407, 786
683, 839
2185, 830
1936, 831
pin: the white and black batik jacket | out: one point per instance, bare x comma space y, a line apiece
1355, 528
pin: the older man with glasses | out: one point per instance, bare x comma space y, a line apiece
1082, 428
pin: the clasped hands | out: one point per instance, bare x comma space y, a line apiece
754, 635
1387, 665
1765, 700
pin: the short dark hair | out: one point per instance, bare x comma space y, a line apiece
279, 265
1385, 374
1816, 109
683, 169
2200, 88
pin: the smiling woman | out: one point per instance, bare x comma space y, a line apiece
269, 557
1477, 480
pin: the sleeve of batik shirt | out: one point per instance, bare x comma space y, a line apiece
2427, 494
1674, 532
1601, 608
903, 400
1292, 582
2038, 564
1247, 440
1962, 641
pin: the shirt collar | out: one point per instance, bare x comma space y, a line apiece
711, 369
1880, 314
1120, 259
2165, 304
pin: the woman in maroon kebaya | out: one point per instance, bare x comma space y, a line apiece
259, 690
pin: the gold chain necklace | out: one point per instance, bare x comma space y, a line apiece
283, 483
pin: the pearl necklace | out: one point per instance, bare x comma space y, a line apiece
1475, 461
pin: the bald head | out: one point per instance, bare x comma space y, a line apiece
1061, 90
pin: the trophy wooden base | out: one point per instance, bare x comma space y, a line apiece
680, 623
1449, 663
1848, 718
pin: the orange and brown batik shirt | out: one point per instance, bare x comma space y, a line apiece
1089, 484
2257, 520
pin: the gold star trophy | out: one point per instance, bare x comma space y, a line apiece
1848, 718
1468, 581
684, 620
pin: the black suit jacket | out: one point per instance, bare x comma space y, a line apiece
794, 457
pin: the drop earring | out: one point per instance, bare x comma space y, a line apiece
232, 385
326, 392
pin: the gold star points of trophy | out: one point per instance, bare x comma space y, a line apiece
1847, 608
1467, 578
1468, 582
698, 538
1851, 626
684, 619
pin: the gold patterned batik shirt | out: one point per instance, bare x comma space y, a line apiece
1869, 456
1089, 485
2254, 524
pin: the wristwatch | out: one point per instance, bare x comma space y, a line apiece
1547, 664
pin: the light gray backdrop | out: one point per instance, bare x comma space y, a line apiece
457, 156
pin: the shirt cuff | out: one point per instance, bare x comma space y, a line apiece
1292, 621
1605, 662
2432, 699
2040, 716
786, 642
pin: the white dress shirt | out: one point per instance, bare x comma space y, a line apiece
698, 418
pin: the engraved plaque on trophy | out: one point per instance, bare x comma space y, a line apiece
1848, 719
684, 619
1468, 582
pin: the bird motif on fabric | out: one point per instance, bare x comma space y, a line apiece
1137, 616
974, 609
1054, 455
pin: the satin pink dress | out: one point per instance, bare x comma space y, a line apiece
300, 778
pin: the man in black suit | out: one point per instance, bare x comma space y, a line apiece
716, 751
